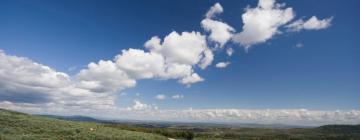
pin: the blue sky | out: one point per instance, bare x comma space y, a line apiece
321, 74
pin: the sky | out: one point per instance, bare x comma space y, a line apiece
266, 61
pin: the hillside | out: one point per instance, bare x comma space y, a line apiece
15, 126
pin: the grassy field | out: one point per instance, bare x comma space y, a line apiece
329, 132
19, 126
14, 126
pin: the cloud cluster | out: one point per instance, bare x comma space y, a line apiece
180, 53
265, 20
138, 106
139, 109
174, 58
21, 75
26, 82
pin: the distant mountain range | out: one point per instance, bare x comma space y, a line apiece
76, 118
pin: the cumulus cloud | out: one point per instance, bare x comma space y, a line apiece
139, 64
23, 80
262, 22
222, 64
174, 58
193, 78
184, 48
181, 52
35, 85
266, 20
32, 85
104, 76
220, 32
216, 9
160, 97
311, 24
139, 106
20, 71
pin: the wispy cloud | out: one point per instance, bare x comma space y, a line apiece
311, 24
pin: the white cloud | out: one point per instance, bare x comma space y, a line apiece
139, 106
104, 77
20, 71
181, 52
229, 51
184, 48
216, 9
175, 71
154, 44
220, 32
160, 97
29, 84
262, 22
312, 24
177, 96
193, 78
222, 64
174, 58
139, 64
23, 80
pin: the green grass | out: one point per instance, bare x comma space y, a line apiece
19, 126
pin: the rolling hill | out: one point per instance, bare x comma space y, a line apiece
15, 126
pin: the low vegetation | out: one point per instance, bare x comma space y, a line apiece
15, 126
329, 132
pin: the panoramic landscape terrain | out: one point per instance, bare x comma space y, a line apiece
179, 70
15, 125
